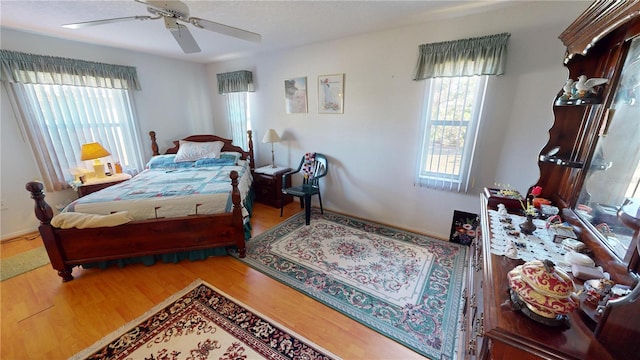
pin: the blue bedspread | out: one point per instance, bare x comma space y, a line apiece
169, 193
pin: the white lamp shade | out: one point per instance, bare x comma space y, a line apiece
271, 137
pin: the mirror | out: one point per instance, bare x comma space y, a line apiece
614, 173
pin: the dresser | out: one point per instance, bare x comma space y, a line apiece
491, 329
267, 185
590, 155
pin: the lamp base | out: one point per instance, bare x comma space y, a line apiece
273, 158
98, 168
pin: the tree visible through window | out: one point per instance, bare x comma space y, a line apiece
451, 118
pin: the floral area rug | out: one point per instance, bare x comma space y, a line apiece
404, 285
201, 322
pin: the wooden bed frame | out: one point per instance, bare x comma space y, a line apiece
72, 247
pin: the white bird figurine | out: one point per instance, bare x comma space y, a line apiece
585, 86
568, 89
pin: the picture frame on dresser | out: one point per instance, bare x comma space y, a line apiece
464, 227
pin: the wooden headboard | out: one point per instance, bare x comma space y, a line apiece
228, 146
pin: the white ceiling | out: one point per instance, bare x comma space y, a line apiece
282, 24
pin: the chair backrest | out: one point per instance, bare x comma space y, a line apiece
320, 167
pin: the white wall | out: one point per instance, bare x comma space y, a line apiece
372, 147
174, 101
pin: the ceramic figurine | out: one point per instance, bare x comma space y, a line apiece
511, 251
584, 87
568, 90
502, 210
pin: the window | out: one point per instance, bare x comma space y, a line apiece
59, 119
236, 86
64, 103
239, 117
453, 106
456, 73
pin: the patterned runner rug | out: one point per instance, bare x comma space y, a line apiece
21, 263
201, 322
404, 285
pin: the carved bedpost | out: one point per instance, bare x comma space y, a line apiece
44, 213
237, 213
154, 144
252, 164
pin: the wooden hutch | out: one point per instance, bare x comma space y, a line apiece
603, 42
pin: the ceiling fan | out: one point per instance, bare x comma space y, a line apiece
174, 12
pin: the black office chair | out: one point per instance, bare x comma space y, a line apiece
313, 166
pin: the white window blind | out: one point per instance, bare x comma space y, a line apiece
59, 119
239, 117
64, 103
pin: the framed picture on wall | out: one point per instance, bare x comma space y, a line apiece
295, 95
331, 94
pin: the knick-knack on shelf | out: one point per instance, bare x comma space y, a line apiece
585, 87
568, 90
502, 210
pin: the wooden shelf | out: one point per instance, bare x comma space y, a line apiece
579, 102
561, 162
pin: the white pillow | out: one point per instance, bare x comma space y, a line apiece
192, 151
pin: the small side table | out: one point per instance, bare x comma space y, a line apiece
94, 184
267, 185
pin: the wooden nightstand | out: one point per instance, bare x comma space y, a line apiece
267, 185
94, 184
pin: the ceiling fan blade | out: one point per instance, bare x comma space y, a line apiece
226, 30
184, 39
108, 21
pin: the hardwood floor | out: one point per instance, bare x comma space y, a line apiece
43, 318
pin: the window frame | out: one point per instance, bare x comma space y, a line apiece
238, 135
442, 180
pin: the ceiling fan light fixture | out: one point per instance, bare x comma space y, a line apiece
172, 13
171, 24
175, 9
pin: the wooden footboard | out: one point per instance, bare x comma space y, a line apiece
71, 247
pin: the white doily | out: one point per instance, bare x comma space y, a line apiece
508, 240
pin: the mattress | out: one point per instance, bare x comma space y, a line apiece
163, 193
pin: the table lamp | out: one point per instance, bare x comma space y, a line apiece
94, 151
271, 137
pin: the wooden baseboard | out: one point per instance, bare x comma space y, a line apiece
18, 234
